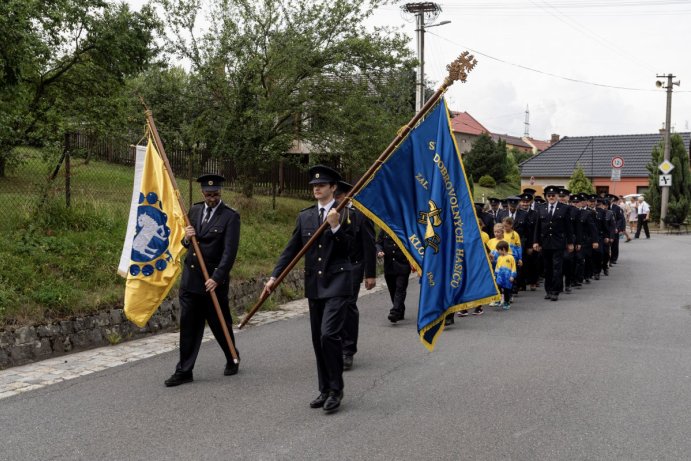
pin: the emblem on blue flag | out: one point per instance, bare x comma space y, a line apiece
420, 197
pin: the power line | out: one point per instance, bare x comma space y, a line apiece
550, 74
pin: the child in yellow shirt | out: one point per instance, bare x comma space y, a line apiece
505, 272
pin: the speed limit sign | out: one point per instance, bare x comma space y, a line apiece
617, 162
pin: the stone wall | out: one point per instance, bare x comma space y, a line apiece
20, 345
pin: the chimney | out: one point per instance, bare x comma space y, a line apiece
554, 138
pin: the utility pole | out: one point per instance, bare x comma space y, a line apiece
668, 136
526, 131
424, 12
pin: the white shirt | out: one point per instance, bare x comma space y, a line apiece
643, 207
327, 208
210, 211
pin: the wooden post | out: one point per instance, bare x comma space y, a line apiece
458, 70
68, 172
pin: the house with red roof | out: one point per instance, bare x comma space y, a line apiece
466, 130
539, 145
513, 142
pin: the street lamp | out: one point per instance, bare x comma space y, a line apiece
420, 88
422, 11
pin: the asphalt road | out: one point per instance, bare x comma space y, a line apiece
604, 373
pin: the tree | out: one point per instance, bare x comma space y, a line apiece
680, 191
275, 71
579, 182
487, 158
63, 66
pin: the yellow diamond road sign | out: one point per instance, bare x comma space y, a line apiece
666, 166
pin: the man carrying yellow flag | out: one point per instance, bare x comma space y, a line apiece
153, 244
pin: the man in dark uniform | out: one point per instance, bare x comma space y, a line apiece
494, 210
486, 218
569, 267
607, 230
363, 258
328, 281
217, 228
620, 224
553, 234
528, 273
587, 240
396, 273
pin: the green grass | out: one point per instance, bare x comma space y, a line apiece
502, 190
60, 262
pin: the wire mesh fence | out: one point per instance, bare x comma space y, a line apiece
88, 171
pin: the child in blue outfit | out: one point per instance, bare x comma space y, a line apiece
504, 271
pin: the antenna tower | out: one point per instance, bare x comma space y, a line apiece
526, 131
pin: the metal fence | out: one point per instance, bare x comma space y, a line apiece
87, 169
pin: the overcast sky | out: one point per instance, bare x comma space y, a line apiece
621, 43
625, 44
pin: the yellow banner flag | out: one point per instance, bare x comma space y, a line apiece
158, 228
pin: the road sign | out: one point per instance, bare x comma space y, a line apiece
616, 174
665, 180
666, 167
617, 162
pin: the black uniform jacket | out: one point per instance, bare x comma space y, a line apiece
619, 217
218, 242
327, 261
587, 234
606, 226
362, 249
553, 232
395, 262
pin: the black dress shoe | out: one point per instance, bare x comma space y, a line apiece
231, 369
567, 289
448, 320
554, 297
606, 272
347, 362
333, 401
394, 317
319, 401
586, 281
597, 277
548, 296
178, 378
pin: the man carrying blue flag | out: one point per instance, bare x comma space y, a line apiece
217, 228
420, 197
328, 281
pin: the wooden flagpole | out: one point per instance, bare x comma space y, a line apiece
195, 244
458, 70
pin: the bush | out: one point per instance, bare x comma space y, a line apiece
487, 181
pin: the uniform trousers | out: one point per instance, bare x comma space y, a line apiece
197, 309
351, 323
326, 321
569, 267
398, 288
584, 260
552, 261
606, 248
614, 249
597, 258
529, 271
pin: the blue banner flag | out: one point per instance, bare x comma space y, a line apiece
420, 197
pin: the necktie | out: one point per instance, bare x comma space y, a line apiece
321, 215
551, 210
207, 213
